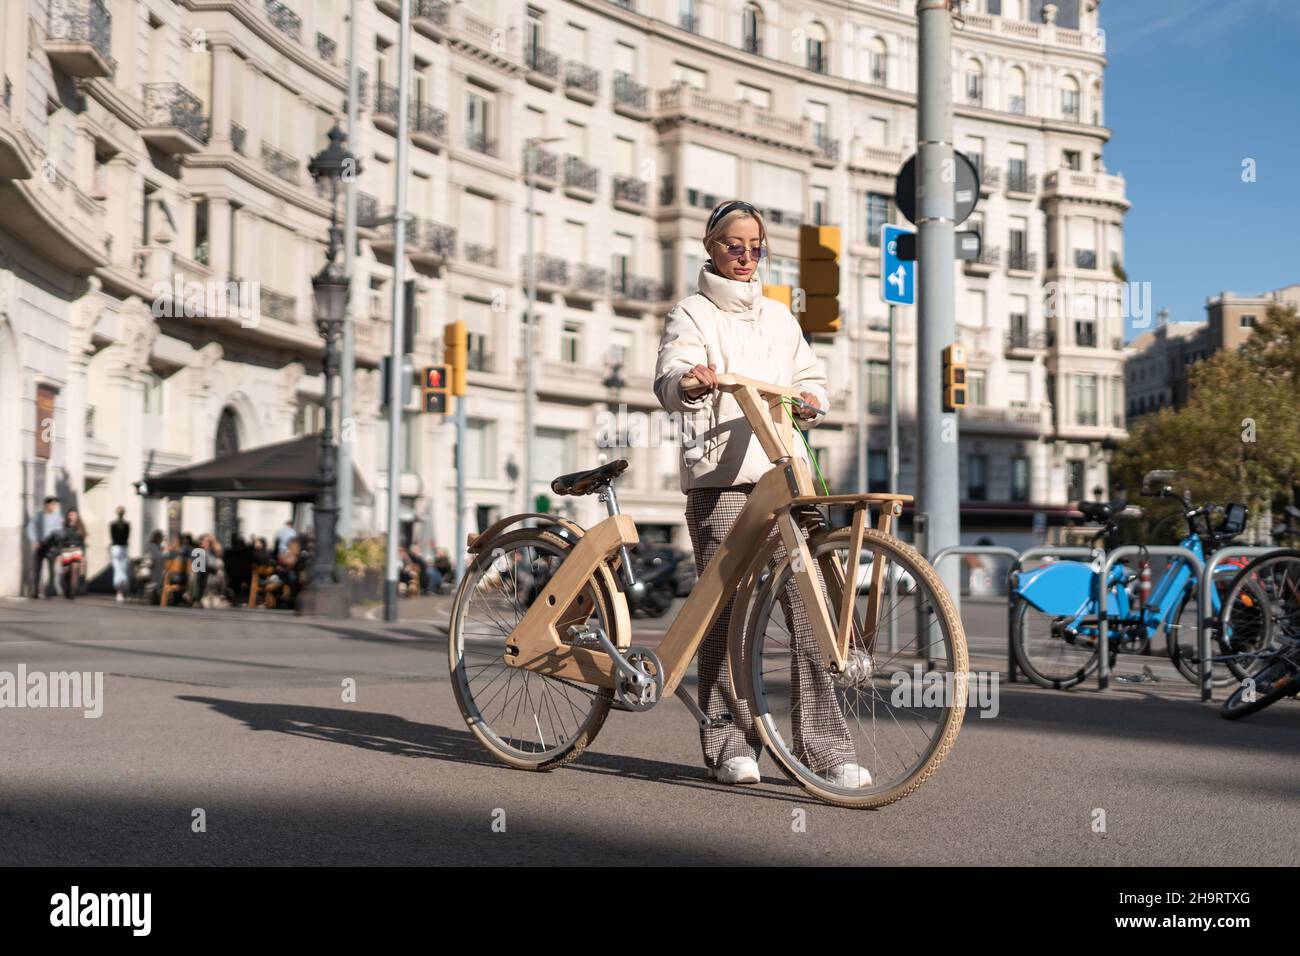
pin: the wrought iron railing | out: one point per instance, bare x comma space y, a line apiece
630, 189
481, 142
170, 104
629, 92
550, 269
284, 19
635, 288
987, 257
277, 305
667, 190
238, 135
326, 47
430, 121
386, 99
1021, 182
541, 60
829, 148
1025, 339
753, 44
1022, 260
818, 63
434, 11
1016, 105
367, 209
590, 280
582, 77
479, 254
580, 174
279, 163
437, 237
689, 21
546, 165
83, 22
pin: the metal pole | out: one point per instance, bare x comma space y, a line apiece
936, 325
893, 441
530, 397
395, 390
460, 487
347, 360
859, 363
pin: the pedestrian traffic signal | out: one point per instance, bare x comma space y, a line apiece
819, 278
455, 340
954, 378
436, 386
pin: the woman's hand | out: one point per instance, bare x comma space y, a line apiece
811, 399
706, 376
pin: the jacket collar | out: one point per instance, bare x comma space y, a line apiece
730, 295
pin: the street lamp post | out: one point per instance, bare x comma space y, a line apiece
325, 593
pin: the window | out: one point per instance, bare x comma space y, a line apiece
554, 450
751, 26
1071, 159
1247, 321
974, 83
153, 394
877, 471
686, 17
478, 122
1070, 100
308, 418
480, 447
201, 231
877, 387
1018, 390
570, 339
818, 59
1085, 333
376, 298
689, 75
745, 93
1117, 402
1085, 399
821, 205
1016, 91
1075, 481
876, 62
977, 478
1020, 479
976, 390
877, 216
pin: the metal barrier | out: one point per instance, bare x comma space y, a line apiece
1205, 621
992, 549
1128, 551
1041, 551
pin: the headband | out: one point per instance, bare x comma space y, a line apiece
728, 208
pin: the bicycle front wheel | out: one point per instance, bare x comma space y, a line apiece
871, 735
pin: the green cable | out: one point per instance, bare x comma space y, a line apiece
787, 402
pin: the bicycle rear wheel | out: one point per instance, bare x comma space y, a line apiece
1261, 609
1050, 654
887, 713
528, 720
1273, 682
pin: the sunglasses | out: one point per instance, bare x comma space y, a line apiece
736, 250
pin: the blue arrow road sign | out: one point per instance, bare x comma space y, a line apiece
897, 277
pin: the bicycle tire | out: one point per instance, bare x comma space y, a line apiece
1030, 669
601, 585
747, 656
1187, 665
1236, 707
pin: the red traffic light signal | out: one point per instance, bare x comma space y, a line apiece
435, 376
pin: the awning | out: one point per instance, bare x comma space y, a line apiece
285, 471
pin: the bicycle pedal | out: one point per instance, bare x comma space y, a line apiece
581, 637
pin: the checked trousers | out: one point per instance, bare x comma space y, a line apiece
820, 734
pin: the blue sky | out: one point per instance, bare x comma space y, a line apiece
1194, 87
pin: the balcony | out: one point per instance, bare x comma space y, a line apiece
685, 104
986, 263
277, 305
546, 167
631, 99
1020, 262
80, 38
1035, 33
543, 67
689, 22
238, 137
284, 19
581, 179
587, 283
1021, 340
428, 126
819, 63
480, 142
174, 120
629, 193
1021, 185
428, 244
752, 45
326, 48
279, 164
385, 114
479, 255
990, 178
635, 292
552, 272
431, 17
581, 82
828, 151
367, 210
1067, 184
877, 160
1026, 421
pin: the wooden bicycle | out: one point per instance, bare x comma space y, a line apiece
540, 643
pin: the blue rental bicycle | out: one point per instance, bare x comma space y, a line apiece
1054, 622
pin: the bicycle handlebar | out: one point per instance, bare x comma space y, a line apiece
730, 382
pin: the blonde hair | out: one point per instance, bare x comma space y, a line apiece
724, 222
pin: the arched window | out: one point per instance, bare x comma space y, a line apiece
818, 49
974, 83
876, 62
1070, 105
751, 20
1016, 91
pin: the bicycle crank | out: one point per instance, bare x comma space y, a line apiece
643, 691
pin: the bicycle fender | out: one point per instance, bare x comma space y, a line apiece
1064, 589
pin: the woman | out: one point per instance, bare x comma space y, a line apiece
73, 553
729, 326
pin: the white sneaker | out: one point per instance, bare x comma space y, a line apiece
849, 776
736, 770
120, 598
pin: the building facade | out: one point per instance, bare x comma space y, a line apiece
159, 232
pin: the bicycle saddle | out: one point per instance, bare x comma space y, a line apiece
585, 482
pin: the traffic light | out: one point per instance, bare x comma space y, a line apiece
435, 386
954, 378
407, 380
455, 340
819, 277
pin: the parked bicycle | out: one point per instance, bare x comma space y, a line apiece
1271, 629
1054, 617
536, 673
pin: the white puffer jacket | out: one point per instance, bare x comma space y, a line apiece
734, 327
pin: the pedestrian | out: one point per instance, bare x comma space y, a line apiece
44, 532
72, 552
119, 533
284, 536
728, 325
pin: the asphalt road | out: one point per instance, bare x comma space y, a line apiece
240, 714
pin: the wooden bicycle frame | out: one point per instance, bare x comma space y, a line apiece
536, 642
